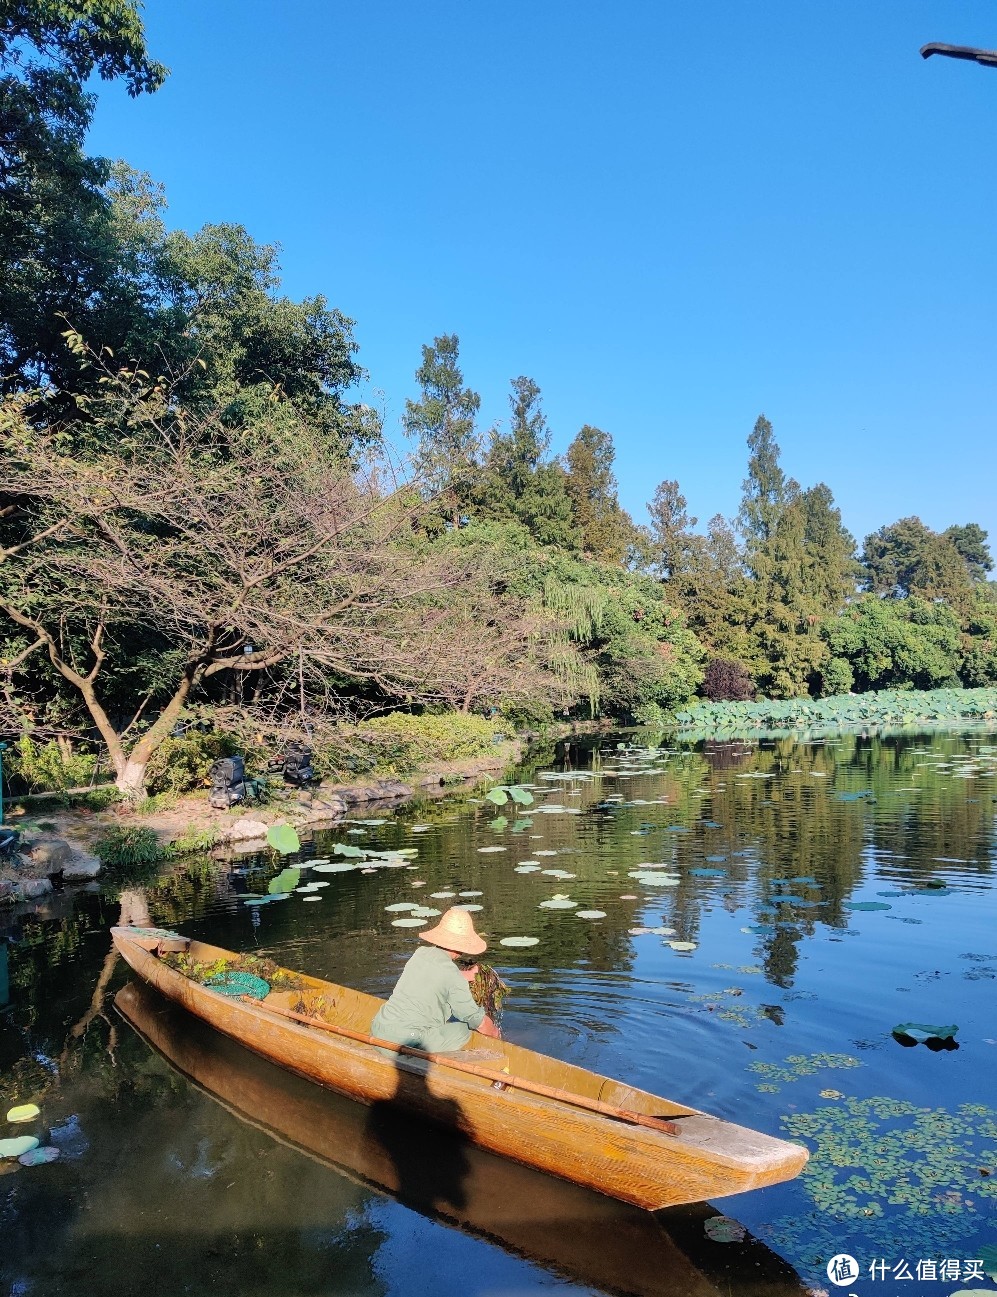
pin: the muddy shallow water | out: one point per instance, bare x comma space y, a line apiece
188, 1166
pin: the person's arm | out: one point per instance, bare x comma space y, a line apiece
488, 1028
462, 1003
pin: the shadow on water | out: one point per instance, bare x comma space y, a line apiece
431, 1180
567, 1230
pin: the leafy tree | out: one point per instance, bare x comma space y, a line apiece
56, 249
971, 542
675, 548
443, 420
908, 558
833, 571
727, 681
891, 644
517, 484
607, 530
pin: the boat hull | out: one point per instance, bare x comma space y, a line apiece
709, 1158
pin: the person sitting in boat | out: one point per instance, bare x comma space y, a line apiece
431, 1007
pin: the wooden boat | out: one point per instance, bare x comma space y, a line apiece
641, 1164
586, 1237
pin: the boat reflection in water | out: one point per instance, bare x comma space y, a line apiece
561, 1227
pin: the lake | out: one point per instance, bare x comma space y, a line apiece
765, 916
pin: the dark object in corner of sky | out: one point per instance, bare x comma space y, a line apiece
228, 782
296, 765
988, 58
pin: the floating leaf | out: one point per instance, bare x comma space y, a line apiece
16, 1146
345, 849
498, 824
522, 796
591, 914
868, 905
638, 932
283, 838
924, 1031
662, 932
424, 912
699, 872
497, 795
286, 881
558, 903
682, 945
519, 941
313, 898
470, 893
39, 1156
441, 896
399, 906
723, 1229
335, 867
489, 850
24, 1112
471, 908
408, 923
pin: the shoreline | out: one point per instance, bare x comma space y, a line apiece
64, 850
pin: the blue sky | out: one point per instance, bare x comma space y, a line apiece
673, 215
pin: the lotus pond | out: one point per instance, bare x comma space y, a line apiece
798, 936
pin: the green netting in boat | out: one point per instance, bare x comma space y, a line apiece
239, 984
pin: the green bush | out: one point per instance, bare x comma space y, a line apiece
400, 742
48, 768
191, 841
126, 848
182, 764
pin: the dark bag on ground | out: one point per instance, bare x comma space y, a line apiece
296, 766
228, 782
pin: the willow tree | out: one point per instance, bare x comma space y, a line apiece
232, 550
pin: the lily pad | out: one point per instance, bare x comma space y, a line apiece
400, 906
591, 914
700, 872
408, 923
345, 849
724, 1229
24, 1112
336, 867
313, 898
922, 1032
527, 869
653, 878
489, 850
425, 912
17, 1145
39, 1156
286, 881
682, 945
519, 941
498, 796
283, 838
471, 908
868, 905
558, 903
470, 893
441, 896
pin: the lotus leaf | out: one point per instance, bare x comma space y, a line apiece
924, 1031
346, 849
867, 905
590, 914
399, 906
527, 869
558, 903
471, 908
283, 838
470, 893
441, 896
682, 945
408, 923
700, 872
497, 795
24, 1112
519, 941
39, 1156
17, 1145
286, 881
425, 912
313, 898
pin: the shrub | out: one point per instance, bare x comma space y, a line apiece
191, 841
727, 680
400, 742
836, 677
125, 848
180, 765
49, 768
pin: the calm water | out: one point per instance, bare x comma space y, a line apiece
215, 1173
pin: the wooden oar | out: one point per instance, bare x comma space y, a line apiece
502, 1078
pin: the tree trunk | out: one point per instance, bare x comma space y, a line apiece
131, 779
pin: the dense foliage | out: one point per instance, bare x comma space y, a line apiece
197, 513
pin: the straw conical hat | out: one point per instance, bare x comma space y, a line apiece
455, 931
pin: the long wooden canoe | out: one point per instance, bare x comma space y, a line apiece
708, 1158
586, 1237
